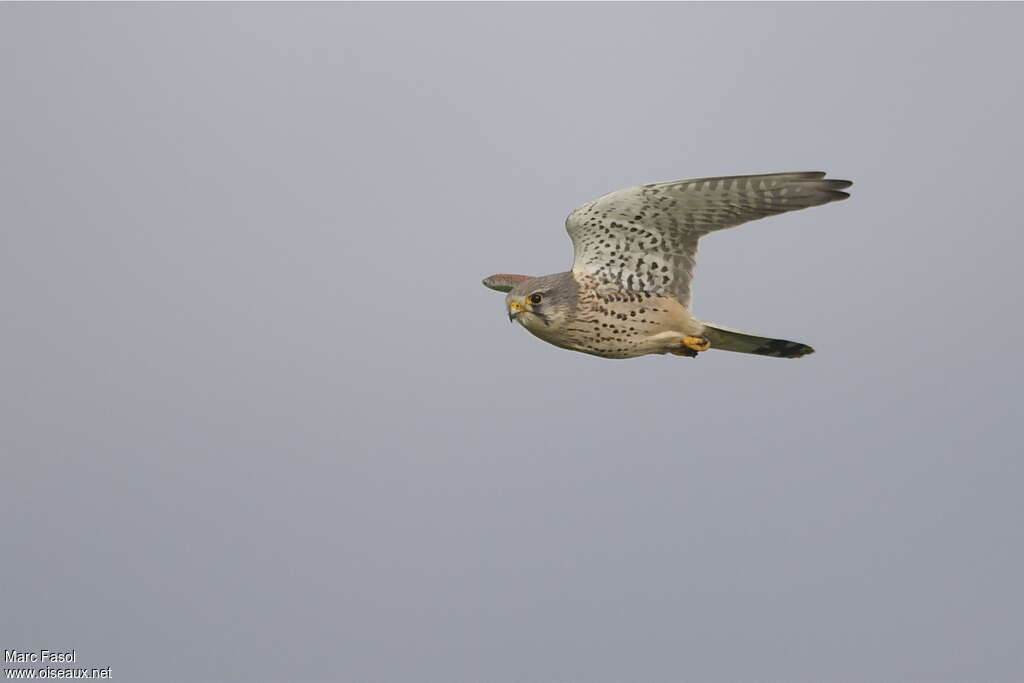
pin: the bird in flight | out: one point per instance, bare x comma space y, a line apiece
628, 293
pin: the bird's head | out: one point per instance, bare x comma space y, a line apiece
543, 305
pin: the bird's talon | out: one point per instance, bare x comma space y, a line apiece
696, 343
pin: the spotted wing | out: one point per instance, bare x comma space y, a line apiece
644, 239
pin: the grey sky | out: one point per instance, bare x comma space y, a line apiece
260, 420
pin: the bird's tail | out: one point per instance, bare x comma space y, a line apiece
741, 342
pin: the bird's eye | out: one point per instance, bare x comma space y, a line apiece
535, 299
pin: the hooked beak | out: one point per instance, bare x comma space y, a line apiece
515, 309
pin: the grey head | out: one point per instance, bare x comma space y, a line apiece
543, 305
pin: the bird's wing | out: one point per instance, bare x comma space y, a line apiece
505, 282
644, 239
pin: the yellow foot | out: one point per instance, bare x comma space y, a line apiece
696, 343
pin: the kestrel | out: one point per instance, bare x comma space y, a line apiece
628, 293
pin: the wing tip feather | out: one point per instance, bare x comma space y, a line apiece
504, 282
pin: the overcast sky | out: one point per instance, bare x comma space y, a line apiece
260, 420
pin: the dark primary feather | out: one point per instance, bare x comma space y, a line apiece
504, 282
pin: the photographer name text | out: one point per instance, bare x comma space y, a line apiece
47, 656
